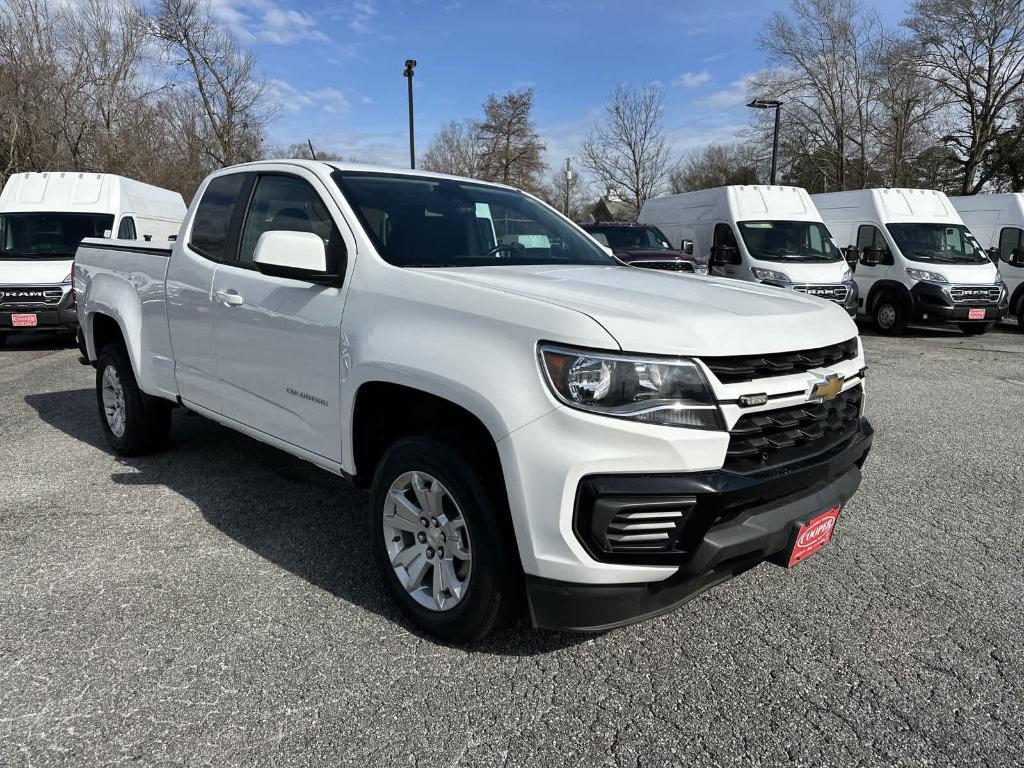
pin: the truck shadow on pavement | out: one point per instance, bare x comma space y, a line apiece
289, 512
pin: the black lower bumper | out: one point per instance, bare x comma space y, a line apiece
766, 512
46, 320
933, 305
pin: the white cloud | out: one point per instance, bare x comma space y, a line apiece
266, 21
362, 12
735, 95
693, 79
290, 99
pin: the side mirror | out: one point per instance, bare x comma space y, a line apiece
872, 257
726, 254
297, 255
686, 246
993, 254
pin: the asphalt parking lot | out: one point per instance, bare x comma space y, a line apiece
216, 605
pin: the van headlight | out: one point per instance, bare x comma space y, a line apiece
769, 275
847, 276
669, 391
925, 276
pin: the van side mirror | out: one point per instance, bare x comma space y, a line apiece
296, 255
725, 254
1017, 257
872, 257
993, 254
686, 246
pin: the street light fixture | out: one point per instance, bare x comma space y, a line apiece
410, 66
777, 106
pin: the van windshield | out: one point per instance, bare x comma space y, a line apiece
418, 221
789, 241
937, 243
48, 235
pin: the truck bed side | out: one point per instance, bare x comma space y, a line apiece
125, 282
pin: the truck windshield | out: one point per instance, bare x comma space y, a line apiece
631, 238
938, 243
48, 235
789, 241
418, 221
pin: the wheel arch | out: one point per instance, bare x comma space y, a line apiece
1017, 299
882, 287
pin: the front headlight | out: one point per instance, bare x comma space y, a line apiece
666, 391
847, 276
925, 276
769, 275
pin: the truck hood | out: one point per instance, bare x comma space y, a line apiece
34, 271
675, 314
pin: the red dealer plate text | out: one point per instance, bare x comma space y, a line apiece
24, 321
975, 314
813, 536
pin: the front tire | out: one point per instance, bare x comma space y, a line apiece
438, 541
135, 423
975, 329
889, 315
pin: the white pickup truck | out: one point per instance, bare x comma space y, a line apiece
542, 429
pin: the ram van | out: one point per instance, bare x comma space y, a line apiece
916, 260
761, 234
997, 221
43, 217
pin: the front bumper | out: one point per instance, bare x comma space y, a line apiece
57, 316
933, 304
753, 519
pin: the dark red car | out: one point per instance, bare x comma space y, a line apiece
643, 245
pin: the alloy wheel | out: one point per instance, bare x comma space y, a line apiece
113, 401
427, 541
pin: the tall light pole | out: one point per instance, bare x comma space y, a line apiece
568, 182
777, 106
410, 65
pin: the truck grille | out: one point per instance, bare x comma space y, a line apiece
672, 266
835, 292
24, 297
975, 294
768, 439
730, 370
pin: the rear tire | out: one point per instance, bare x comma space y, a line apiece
135, 423
975, 329
890, 315
461, 594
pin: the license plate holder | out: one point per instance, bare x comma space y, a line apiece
975, 314
25, 320
810, 536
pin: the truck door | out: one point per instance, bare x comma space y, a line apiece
189, 289
278, 339
1011, 242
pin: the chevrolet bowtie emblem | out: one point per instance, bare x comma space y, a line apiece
829, 388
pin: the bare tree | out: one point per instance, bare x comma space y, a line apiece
223, 106
454, 149
973, 52
715, 165
825, 51
628, 150
299, 149
510, 151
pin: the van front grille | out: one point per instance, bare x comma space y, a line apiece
975, 294
24, 297
836, 292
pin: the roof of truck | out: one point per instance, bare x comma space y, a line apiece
343, 165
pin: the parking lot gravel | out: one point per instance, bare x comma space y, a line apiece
216, 604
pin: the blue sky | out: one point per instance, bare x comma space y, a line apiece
336, 68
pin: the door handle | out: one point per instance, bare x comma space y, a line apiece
229, 298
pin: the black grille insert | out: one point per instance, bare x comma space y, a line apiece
730, 370
768, 439
672, 266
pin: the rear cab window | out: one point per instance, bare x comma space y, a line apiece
211, 226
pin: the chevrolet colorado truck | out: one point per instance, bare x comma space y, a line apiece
543, 431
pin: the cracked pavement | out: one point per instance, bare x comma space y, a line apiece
216, 605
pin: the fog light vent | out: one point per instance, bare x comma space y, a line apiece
633, 524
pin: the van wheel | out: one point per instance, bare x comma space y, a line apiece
438, 543
975, 329
889, 315
135, 423
1020, 317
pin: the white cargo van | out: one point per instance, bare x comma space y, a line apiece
916, 260
43, 217
998, 223
763, 234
